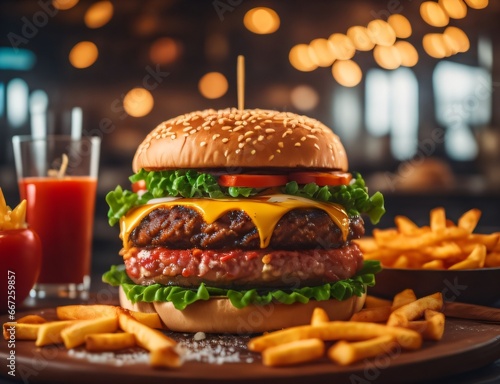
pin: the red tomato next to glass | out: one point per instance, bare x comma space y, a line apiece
20, 261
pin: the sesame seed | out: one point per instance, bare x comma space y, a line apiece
226, 152
203, 143
253, 152
280, 144
271, 157
257, 127
226, 128
241, 145
215, 136
278, 151
186, 129
241, 137
225, 140
270, 130
312, 137
245, 116
238, 128
237, 151
249, 133
260, 138
316, 146
173, 137
192, 131
186, 123
212, 123
222, 120
297, 144
303, 138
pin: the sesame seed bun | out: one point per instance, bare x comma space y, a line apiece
250, 138
219, 316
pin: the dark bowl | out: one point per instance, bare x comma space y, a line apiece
474, 286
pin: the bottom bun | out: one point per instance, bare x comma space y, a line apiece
219, 316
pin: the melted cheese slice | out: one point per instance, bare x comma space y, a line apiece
264, 211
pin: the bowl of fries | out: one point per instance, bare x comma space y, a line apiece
443, 256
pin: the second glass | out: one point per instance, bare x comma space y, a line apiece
57, 175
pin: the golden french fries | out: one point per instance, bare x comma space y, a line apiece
12, 218
441, 245
345, 352
50, 332
74, 334
295, 352
160, 346
99, 328
408, 321
109, 341
319, 316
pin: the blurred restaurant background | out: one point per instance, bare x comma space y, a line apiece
415, 98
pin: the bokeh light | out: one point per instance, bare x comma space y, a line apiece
381, 32
164, 50
387, 57
213, 85
433, 14
321, 53
459, 39
63, 5
435, 45
342, 46
138, 102
360, 38
304, 98
98, 14
456, 9
347, 73
300, 59
401, 25
477, 4
407, 52
261, 20
83, 54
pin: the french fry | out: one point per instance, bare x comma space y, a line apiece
373, 302
402, 298
415, 309
345, 353
295, 352
160, 346
109, 341
88, 312
438, 219
432, 328
319, 316
85, 312
401, 262
476, 259
469, 220
22, 331
32, 319
492, 260
336, 330
74, 334
366, 244
433, 264
50, 332
372, 315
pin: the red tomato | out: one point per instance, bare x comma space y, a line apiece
139, 186
321, 178
252, 181
20, 261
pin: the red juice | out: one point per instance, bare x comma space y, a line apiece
61, 211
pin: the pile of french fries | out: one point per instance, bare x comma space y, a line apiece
12, 218
99, 328
380, 328
440, 245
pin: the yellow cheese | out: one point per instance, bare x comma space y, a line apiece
264, 211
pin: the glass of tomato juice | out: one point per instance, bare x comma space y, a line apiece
57, 175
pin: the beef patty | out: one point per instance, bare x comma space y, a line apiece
180, 227
242, 269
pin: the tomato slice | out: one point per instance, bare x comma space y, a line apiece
252, 181
139, 186
321, 178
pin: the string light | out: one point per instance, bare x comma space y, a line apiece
83, 54
433, 14
347, 73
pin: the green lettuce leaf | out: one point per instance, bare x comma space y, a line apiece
182, 297
190, 183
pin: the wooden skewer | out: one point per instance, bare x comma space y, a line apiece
240, 72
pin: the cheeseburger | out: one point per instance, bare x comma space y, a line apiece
242, 221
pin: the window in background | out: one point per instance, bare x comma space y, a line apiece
347, 114
463, 101
38, 103
17, 103
392, 109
